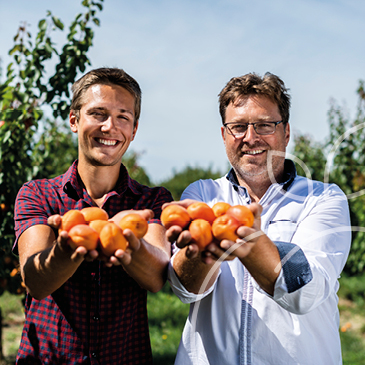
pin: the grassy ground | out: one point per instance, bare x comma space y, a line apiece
167, 317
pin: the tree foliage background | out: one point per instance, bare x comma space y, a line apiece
341, 160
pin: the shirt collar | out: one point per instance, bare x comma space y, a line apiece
290, 173
73, 186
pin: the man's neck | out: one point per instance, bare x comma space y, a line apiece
98, 180
257, 185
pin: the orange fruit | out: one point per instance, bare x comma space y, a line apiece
111, 239
93, 213
220, 208
137, 224
224, 228
175, 215
243, 214
71, 218
83, 235
98, 224
200, 210
201, 232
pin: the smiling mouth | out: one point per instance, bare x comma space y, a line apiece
107, 142
255, 152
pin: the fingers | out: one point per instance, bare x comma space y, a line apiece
178, 235
240, 248
185, 203
54, 221
147, 214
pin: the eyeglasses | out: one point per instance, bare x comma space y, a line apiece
263, 128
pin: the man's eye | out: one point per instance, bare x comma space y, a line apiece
264, 125
239, 127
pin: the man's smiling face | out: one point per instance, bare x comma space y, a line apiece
106, 124
248, 154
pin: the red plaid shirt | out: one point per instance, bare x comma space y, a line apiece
99, 315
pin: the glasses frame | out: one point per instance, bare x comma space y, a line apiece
229, 131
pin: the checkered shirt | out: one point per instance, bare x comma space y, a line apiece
99, 315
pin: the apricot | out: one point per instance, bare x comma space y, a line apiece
136, 223
220, 208
175, 215
224, 228
201, 232
93, 213
200, 210
98, 224
111, 239
243, 214
70, 219
83, 235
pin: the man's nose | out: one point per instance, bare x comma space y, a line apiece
108, 123
250, 134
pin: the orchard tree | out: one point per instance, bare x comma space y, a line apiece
26, 90
343, 165
310, 157
180, 180
346, 167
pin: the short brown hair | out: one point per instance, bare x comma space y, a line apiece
106, 76
269, 85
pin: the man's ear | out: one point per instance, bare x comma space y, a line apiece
73, 121
223, 135
135, 130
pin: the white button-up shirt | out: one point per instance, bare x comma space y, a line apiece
235, 321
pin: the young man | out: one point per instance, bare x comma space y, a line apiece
269, 298
81, 309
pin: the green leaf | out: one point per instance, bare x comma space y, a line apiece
6, 136
57, 22
42, 25
96, 21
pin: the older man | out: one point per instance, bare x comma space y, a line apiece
270, 297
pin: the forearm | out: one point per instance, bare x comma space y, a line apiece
46, 271
264, 264
148, 267
193, 274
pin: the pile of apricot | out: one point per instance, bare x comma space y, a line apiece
90, 227
206, 223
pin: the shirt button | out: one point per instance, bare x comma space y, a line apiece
96, 317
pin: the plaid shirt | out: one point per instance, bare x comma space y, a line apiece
99, 315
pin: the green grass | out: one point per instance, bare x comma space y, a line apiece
167, 317
13, 318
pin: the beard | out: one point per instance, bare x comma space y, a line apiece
269, 168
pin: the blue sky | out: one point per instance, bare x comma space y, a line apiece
182, 52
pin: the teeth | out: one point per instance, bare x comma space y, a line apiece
253, 152
107, 142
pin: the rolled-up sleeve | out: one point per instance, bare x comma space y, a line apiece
313, 261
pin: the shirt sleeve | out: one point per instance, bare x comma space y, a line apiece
30, 209
179, 290
313, 261
163, 196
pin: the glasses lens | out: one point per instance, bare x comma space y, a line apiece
237, 129
265, 128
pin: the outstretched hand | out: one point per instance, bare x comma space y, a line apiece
225, 249
78, 254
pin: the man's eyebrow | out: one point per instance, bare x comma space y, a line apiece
240, 120
105, 109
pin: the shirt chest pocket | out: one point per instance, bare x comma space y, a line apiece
281, 230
